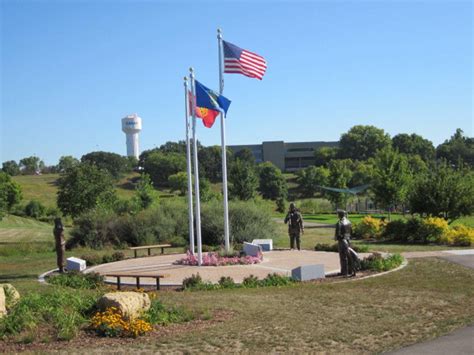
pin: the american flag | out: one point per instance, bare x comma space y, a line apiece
240, 61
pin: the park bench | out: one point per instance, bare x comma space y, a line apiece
149, 247
137, 278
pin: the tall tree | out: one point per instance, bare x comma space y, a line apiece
323, 155
362, 142
413, 144
340, 174
444, 192
160, 166
243, 181
84, 187
31, 165
245, 155
66, 162
457, 149
272, 183
10, 193
11, 168
115, 164
311, 178
392, 178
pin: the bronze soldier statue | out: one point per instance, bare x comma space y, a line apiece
60, 242
295, 226
342, 235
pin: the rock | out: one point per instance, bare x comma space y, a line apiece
308, 272
3, 303
75, 264
266, 244
252, 249
11, 295
131, 304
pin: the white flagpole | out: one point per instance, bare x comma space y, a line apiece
223, 146
188, 168
196, 173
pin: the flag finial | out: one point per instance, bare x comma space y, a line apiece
219, 33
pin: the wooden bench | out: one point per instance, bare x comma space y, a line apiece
137, 277
149, 247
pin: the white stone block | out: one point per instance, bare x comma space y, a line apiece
75, 264
308, 272
251, 249
266, 244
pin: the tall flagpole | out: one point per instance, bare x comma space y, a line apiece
196, 172
223, 146
188, 168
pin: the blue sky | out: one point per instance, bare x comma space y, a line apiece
71, 70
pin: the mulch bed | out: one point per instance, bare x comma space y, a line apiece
89, 339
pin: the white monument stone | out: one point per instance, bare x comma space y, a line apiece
251, 249
75, 264
266, 244
308, 272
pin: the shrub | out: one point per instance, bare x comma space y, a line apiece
66, 310
111, 323
250, 281
377, 262
159, 314
92, 259
277, 280
368, 228
416, 230
78, 280
193, 281
459, 236
227, 282
395, 231
35, 209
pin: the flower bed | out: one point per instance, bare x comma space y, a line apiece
214, 259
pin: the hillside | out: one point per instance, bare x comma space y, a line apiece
44, 189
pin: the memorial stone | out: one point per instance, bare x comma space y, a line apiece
266, 244
75, 264
251, 249
308, 272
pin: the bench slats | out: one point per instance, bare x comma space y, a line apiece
149, 247
137, 277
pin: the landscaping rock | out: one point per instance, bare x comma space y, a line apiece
11, 295
131, 304
308, 272
3, 308
252, 249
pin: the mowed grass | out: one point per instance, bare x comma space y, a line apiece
15, 229
428, 298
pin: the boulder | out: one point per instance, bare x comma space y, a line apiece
3, 303
130, 304
11, 295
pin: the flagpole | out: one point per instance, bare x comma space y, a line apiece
223, 146
188, 168
196, 172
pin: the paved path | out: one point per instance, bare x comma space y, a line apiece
458, 342
277, 261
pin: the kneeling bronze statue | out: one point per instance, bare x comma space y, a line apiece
347, 256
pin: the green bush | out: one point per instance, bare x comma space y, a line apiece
159, 314
250, 281
276, 280
377, 262
416, 230
65, 310
78, 280
227, 282
35, 209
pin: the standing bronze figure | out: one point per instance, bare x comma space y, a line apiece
60, 242
295, 226
342, 235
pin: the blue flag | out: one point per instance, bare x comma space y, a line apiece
209, 99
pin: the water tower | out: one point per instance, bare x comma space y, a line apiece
132, 125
